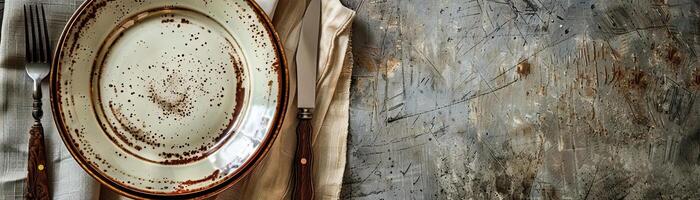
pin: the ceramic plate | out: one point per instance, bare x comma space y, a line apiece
168, 98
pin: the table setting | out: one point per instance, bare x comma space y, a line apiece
349, 99
220, 99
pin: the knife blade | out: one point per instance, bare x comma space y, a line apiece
307, 64
307, 55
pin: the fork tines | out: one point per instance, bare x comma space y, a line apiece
38, 46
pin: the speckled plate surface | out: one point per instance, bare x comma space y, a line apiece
168, 98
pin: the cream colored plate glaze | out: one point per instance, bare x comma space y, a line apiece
168, 97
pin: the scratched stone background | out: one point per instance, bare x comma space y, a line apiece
524, 99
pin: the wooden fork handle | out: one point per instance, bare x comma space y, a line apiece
303, 181
37, 179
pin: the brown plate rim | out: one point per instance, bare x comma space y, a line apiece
216, 188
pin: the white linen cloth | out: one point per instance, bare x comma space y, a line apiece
270, 180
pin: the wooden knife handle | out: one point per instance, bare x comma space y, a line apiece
303, 181
37, 179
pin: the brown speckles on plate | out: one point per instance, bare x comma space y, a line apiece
169, 100
213, 175
181, 84
169, 89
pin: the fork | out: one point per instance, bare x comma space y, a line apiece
37, 59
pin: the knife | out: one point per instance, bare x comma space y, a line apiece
307, 64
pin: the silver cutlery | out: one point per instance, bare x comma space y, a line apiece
37, 64
307, 64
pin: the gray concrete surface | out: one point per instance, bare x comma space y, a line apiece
524, 99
